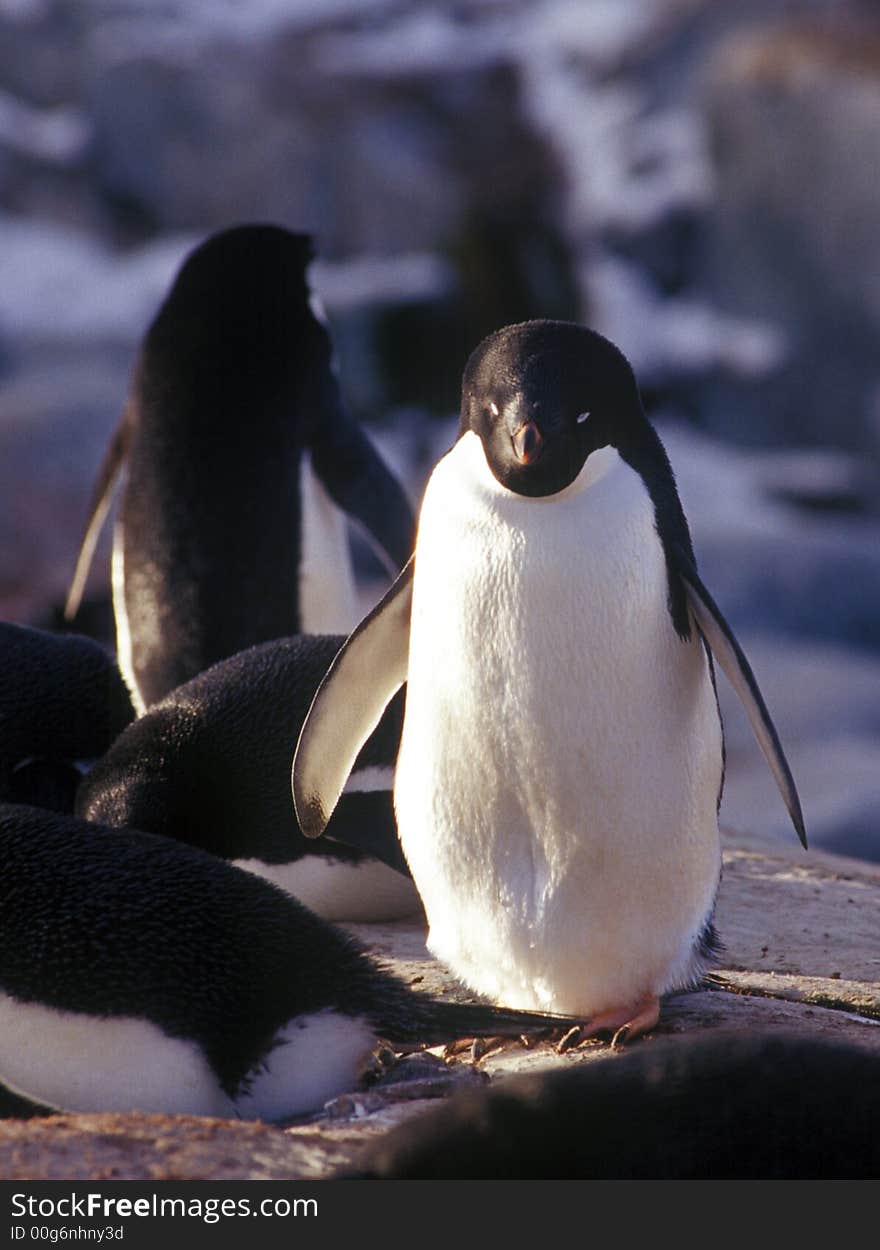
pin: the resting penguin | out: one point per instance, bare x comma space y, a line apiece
137, 973
561, 762
237, 449
210, 764
721, 1106
62, 702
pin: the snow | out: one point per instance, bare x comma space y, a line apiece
600, 32
417, 43
431, 38
343, 285
59, 135
660, 334
626, 166
723, 488
58, 283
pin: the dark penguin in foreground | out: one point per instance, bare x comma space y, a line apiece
722, 1107
210, 764
137, 973
238, 449
561, 761
62, 702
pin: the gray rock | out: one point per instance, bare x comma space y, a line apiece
822, 580
838, 779
44, 136
41, 47
815, 691
198, 132
794, 121
825, 702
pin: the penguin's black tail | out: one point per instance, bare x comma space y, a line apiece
432, 1022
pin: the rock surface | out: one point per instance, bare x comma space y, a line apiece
793, 115
802, 937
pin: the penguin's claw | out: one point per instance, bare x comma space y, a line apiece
618, 1041
483, 1046
457, 1047
623, 1023
561, 1040
475, 1048
629, 1023
569, 1040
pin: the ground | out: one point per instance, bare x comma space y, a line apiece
802, 954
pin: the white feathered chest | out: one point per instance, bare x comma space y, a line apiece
558, 777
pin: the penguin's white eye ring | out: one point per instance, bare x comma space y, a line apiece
582, 418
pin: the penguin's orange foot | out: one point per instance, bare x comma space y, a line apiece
623, 1023
626, 1023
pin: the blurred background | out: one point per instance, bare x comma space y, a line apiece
698, 179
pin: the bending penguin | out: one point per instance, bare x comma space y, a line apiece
561, 762
210, 764
62, 702
137, 973
238, 449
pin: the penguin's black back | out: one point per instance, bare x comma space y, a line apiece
210, 763
723, 1106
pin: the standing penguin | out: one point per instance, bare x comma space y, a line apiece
210, 764
237, 448
140, 974
561, 763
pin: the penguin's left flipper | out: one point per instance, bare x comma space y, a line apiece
727, 651
359, 482
99, 506
367, 672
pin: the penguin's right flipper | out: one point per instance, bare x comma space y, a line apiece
99, 506
359, 482
730, 656
368, 670
15, 1106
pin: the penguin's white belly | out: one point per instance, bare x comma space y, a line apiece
359, 892
560, 764
328, 602
80, 1062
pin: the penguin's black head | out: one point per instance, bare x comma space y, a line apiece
239, 326
541, 396
233, 268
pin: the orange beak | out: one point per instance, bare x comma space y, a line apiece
528, 442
